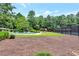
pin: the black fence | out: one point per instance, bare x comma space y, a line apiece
71, 29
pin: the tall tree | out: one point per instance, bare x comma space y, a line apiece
49, 22
21, 23
77, 17
31, 19
6, 15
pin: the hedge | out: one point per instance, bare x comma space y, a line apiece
4, 35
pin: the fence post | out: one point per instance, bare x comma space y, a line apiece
78, 30
70, 29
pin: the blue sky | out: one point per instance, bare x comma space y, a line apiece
45, 9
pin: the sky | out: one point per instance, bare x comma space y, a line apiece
53, 9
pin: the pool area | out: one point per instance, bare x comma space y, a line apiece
26, 33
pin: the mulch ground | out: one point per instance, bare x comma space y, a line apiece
58, 46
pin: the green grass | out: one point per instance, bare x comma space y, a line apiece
43, 34
42, 54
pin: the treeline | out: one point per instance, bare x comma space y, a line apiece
9, 19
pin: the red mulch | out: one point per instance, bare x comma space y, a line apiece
57, 46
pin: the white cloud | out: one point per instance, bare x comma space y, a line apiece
37, 14
56, 11
44, 13
71, 12
25, 4
22, 4
64, 12
47, 13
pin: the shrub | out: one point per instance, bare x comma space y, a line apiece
32, 30
12, 36
43, 54
4, 35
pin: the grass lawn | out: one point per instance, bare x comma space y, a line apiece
42, 34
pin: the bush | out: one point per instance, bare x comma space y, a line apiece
12, 36
4, 35
32, 30
43, 54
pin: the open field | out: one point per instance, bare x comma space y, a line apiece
27, 46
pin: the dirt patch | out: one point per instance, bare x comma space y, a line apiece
58, 46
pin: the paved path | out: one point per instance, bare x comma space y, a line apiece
58, 46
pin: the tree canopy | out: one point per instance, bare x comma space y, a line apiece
32, 23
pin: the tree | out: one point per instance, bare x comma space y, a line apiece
77, 18
71, 19
40, 19
54, 21
6, 15
31, 19
21, 24
42, 22
49, 23
17, 21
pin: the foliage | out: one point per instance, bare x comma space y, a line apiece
9, 19
12, 36
43, 54
31, 29
6, 15
31, 18
21, 24
4, 35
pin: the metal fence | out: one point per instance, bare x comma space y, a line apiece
72, 30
